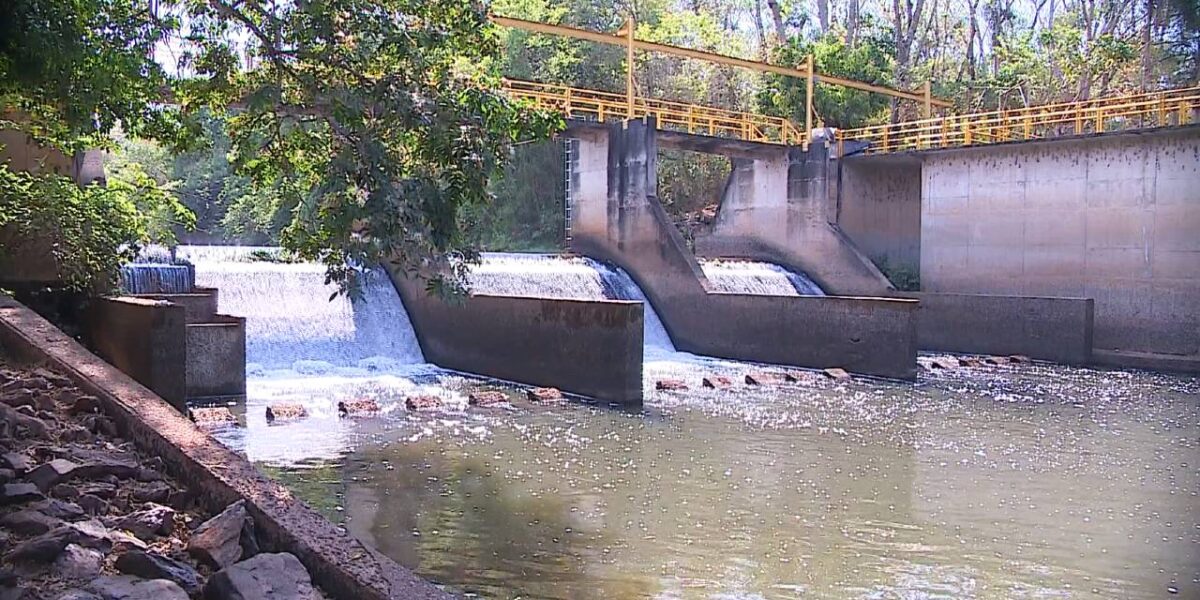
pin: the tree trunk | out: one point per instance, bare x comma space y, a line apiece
1147, 47
758, 27
777, 17
823, 15
852, 16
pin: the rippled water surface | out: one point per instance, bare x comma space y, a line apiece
1018, 481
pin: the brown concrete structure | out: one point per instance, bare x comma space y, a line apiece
589, 348
218, 476
615, 216
1114, 217
175, 344
216, 357
1053, 329
145, 339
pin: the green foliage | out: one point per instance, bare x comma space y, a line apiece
903, 277
78, 67
871, 61
376, 120
89, 232
527, 212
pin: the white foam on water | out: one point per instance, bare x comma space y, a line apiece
759, 278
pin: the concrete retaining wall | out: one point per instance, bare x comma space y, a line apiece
1114, 217
216, 357
589, 348
616, 217
218, 476
879, 207
145, 339
780, 209
1053, 329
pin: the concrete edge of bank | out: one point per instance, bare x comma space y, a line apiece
340, 564
591, 348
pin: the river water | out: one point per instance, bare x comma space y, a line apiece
1020, 481
1012, 481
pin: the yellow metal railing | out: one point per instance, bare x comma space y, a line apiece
1118, 113
576, 103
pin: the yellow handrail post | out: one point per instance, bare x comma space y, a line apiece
966, 133
1099, 120
629, 27
928, 101
808, 101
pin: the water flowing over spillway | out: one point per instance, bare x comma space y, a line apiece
157, 278
290, 318
760, 278
567, 277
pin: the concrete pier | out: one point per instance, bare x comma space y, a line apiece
1114, 218
616, 217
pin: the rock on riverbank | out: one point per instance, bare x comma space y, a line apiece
84, 515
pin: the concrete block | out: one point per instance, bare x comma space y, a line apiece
946, 205
1073, 285
1119, 228
989, 196
1052, 261
998, 229
1056, 194
1182, 264
1108, 161
1115, 192
1055, 228
946, 230
146, 340
216, 362
1177, 227
1170, 191
1000, 167
1114, 263
1178, 158
995, 261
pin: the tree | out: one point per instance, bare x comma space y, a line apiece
380, 121
835, 106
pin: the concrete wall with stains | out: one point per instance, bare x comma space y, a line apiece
879, 207
1115, 218
587, 347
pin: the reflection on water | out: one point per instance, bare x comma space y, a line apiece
999, 482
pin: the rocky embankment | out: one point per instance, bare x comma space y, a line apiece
85, 516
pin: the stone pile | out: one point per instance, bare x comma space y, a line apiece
85, 516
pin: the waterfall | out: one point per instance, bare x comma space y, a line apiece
291, 323
760, 278
157, 278
567, 277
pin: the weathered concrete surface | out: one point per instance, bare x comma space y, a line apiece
616, 217
199, 306
1053, 329
338, 563
779, 209
589, 348
1114, 217
216, 357
145, 339
879, 207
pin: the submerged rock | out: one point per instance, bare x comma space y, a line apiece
211, 416
718, 382
836, 373
670, 385
218, 541
544, 394
487, 398
422, 402
357, 407
1019, 358
264, 577
969, 361
764, 378
286, 412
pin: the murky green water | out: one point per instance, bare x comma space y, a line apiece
998, 482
